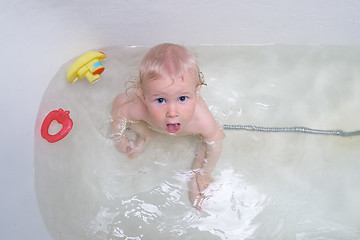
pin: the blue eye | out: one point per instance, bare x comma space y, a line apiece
182, 98
160, 100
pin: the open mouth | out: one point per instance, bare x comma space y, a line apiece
173, 127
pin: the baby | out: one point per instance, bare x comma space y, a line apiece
167, 100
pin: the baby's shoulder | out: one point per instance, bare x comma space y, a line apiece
202, 111
129, 106
208, 127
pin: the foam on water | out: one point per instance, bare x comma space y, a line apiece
267, 185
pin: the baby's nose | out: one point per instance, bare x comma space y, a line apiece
172, 111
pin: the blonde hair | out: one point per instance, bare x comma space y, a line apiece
170, 60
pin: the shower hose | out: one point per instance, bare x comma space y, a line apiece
340, 133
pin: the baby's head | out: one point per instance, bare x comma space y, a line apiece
170, 82
171, 61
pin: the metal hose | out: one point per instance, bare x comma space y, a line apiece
292, 130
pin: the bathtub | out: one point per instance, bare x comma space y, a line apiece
38, 37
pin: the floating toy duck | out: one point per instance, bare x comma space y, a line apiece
88, 65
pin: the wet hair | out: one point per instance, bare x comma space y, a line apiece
170, 60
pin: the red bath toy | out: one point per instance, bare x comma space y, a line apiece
61, 117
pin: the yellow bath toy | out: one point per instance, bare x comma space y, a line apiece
88, 65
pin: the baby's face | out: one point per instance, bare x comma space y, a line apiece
171, 104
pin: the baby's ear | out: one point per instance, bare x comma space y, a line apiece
198, 88
140, 94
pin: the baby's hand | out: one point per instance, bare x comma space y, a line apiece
131, 147
197, 185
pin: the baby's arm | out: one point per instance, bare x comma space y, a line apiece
203, 165
212, 135
207, 158
131, 134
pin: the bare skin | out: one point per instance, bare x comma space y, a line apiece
170, 107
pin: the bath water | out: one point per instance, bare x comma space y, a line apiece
267, 185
